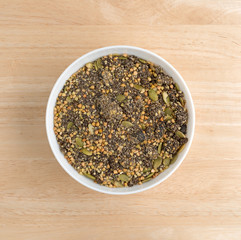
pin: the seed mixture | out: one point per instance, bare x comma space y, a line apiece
120, 120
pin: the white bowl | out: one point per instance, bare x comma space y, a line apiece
91, 56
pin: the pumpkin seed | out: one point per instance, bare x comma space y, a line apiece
167, 117
118, 184
68, 99
157, 163
142, 60
150, 175
99, 63
146, 180
166, 162
174, 159
115, 54
122, 57
80, 115
138, 146
126, 124
159, 147
177, 87
79, 142
86, 152
140, 88
123, 177
182, 101
181, 148
147, 170
143, 127
95, 65
70, 125
168, 111
180, 134
120, 98
153, 95
91, 129
89, 176
166, 98
89, 65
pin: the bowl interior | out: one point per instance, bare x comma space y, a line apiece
141, 53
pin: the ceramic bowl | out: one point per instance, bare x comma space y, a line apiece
91, 56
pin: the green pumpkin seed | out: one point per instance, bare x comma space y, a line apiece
120, 98
140, 88
181, 148
167, 117
174, 159
79, 142
166, 98
95, 65
91, 129
122, 57
143, 127
177, 87
159, 147
153, 95
147, 170
89, 176
168, 111
180, 134
118, 184
142, 60
89, 65
126, 124
68, 99
166, 162
80, 115
124, 178
146, 180
157, 163
182, 101
70, 125
138, 146
150, 175
86, 152
99, 63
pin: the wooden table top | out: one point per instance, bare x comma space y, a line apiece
201, 200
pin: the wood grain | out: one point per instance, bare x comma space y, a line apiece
38, 40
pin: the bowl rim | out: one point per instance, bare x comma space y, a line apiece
112, 49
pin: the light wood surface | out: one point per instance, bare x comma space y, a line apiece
201, 200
